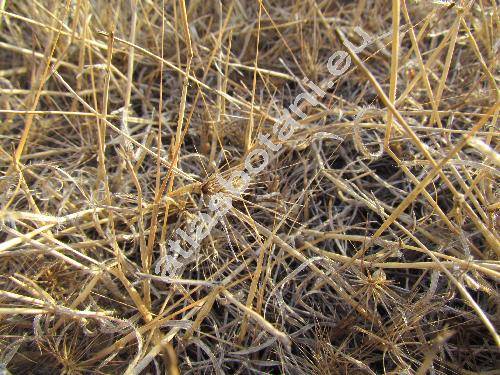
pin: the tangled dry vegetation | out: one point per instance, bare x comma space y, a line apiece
376, 253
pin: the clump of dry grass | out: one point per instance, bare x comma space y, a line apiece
376, 253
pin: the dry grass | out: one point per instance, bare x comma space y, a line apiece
377, 253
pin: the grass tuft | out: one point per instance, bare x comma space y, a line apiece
367, 245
